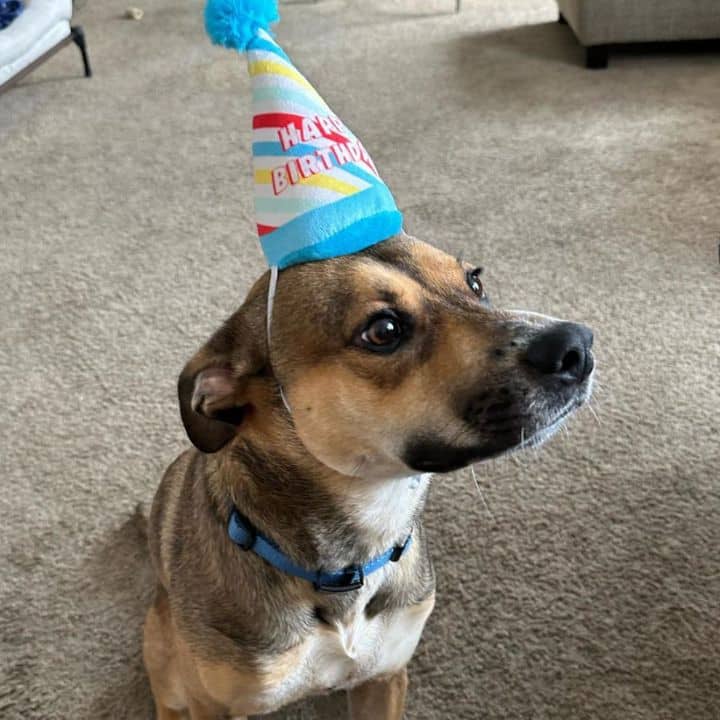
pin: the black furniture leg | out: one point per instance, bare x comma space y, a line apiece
562, 20
596, 57
78, 37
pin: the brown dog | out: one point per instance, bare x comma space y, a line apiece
394, 365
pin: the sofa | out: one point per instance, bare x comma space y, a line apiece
40, 31
601, 23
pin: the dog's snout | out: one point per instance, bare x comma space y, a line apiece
563, 351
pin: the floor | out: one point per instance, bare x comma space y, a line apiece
582, 581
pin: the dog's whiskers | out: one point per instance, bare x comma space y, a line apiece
363, 463
356, 470
519, 459
480, 493
591, 409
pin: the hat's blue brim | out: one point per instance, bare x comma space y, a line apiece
340, 228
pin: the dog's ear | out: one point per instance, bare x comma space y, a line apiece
214, 386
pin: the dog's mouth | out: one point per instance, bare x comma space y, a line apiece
540, 435
504, 433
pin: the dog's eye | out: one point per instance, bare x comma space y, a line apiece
382, 333
474, 282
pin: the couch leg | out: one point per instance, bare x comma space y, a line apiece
78, 37
596, 57
562, 20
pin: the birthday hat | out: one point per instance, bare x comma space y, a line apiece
317, 192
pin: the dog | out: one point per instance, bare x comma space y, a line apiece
381, 368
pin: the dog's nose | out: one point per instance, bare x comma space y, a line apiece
562, 350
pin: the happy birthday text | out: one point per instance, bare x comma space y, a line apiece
340, 152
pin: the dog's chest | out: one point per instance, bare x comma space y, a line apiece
346, 652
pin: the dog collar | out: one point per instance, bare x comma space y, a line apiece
246, 537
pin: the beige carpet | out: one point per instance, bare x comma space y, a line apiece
587, 585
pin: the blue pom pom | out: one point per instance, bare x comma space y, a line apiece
234, 23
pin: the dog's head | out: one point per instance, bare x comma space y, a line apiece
393, 361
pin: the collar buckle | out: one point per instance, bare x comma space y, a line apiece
352, 578
399, 550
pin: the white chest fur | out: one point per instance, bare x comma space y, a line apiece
344, 654
384, 509
347, 652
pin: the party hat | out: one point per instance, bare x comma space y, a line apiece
317, 191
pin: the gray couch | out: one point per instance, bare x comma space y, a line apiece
600, 23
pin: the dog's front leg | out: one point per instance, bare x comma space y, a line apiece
198, 711
379, 699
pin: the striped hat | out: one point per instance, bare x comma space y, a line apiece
317, 191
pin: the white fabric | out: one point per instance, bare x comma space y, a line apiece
42, 25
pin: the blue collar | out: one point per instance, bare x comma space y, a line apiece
245, 536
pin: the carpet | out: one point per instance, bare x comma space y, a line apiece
583, 580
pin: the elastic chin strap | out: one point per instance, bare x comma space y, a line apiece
272, 288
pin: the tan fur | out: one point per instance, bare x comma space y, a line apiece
379, 699
228, 635
324, 421
161, 661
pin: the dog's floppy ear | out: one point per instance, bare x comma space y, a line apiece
213, 387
